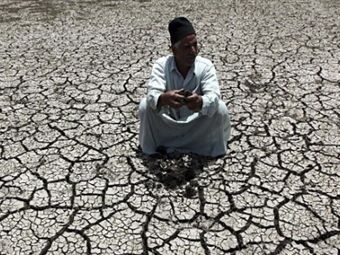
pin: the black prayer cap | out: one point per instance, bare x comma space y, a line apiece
179, 28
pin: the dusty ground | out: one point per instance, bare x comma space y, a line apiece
71, 178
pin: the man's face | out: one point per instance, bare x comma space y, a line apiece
186, 51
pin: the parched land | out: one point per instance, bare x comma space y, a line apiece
72, 179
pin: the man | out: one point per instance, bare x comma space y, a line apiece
182, 110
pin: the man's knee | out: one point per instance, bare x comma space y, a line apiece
142, 107
222, 109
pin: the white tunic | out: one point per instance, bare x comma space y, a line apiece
205, 132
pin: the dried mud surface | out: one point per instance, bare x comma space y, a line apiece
72, 180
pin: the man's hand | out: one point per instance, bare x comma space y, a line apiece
172, 98
177, 98
194, 102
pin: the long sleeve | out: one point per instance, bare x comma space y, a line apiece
211, 91
156, 85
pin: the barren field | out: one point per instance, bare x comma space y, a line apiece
72, 179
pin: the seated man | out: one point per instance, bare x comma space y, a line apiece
182, 110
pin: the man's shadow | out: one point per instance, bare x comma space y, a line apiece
175, 170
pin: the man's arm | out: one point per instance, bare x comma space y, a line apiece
157, 95
210, 90
156, 85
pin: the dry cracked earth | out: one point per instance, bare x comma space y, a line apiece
72, 179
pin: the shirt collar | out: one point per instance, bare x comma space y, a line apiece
173, 66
